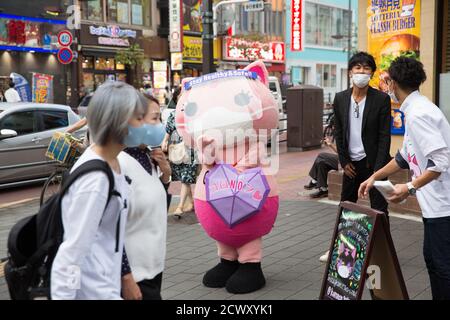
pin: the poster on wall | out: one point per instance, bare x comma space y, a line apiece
192, 16
176, 59
159, 79
42, 88
393, 31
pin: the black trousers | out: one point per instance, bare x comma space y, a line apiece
324, 163
151, 289
436, 251
350, 187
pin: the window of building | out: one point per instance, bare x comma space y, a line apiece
51, 119
324, 31
88, 63
140, 12
324, 22
326, 75
311, 23
118, 11
298, 75
104, 63
92, 10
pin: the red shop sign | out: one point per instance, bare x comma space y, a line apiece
297, 25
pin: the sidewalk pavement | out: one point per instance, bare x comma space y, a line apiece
302, 233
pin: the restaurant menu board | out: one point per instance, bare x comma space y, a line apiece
349, 255
361, 239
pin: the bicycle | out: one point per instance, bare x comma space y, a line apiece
64, 149
53, 182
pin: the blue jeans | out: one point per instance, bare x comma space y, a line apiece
436, 251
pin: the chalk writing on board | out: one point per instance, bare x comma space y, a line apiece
348, 255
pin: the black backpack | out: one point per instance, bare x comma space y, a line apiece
34, 241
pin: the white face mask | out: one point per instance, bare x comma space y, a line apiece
391, 94
361, 80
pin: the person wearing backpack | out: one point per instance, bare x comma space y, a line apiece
87, 264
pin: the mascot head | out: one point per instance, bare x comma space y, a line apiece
226, 107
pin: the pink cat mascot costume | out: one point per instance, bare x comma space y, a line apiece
209, 109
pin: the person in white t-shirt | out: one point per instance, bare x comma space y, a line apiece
11, 94
87, 265
426, 152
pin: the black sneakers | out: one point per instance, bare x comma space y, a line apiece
311, 185
319, 194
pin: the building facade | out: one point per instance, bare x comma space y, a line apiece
109, 26
322, 61
28, 44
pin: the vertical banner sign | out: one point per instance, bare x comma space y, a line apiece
297, 25
393, 30
42, 88
175, 36
22, 86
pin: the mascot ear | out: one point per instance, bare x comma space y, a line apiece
354, 253
260, 68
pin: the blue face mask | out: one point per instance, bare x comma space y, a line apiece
149, 134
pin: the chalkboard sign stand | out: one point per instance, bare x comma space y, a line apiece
379, 252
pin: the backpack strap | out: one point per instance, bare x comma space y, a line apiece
92, 166
87, 167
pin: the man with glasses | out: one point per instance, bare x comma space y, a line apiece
363, 130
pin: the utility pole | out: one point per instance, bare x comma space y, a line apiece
208, 37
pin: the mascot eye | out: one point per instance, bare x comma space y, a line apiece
242, 99
190, 109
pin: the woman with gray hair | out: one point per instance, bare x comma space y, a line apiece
88, 262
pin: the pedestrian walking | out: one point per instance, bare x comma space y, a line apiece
88, 262
426, 153
183, 163
11, 94
363, 132
145, 240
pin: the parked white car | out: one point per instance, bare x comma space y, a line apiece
274, 86
26, 129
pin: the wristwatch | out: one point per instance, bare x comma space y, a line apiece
411, 190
